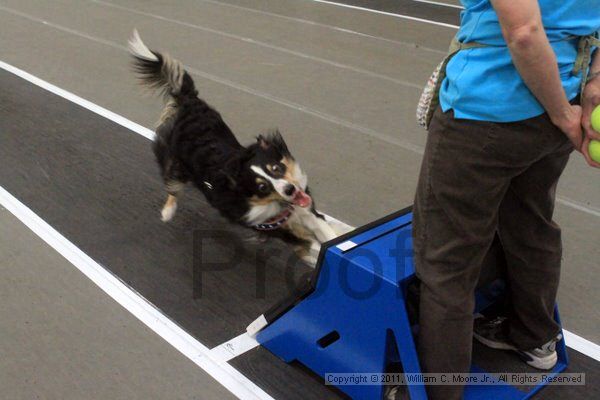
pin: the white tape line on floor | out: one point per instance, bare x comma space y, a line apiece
389, 14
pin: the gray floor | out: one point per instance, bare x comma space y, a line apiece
63, 338
344, 100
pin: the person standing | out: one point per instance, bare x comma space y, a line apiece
511, 112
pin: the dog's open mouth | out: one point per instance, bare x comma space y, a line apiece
301, 199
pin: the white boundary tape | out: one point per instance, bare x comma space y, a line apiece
574, 341
439, 3
389, 14
582, 345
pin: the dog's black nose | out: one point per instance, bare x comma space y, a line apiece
289, 190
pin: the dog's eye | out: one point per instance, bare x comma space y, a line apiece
277, 169
263, 188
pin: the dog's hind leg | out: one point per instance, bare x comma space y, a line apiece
174, 189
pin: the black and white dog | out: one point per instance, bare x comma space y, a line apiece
260, 186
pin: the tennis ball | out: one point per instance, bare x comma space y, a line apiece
596, 119
594, 147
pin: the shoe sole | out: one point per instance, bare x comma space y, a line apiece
543, 363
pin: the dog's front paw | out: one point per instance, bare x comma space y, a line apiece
168, 212
312, 255
310, 260
339, 227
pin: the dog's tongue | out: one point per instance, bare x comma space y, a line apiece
302, 199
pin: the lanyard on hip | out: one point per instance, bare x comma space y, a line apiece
584, 57
429, 100
455, 47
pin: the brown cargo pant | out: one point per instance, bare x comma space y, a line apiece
479, 179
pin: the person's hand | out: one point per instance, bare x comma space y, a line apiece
590, 100
569, 122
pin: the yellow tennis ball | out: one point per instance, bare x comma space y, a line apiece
594, 147
596, 119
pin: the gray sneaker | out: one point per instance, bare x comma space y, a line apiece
493, 332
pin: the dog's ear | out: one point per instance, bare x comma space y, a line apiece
274, 140
263, 142
278, 143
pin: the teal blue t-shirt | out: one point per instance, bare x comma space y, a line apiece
483, 83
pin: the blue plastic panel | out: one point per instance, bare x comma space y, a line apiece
359, 301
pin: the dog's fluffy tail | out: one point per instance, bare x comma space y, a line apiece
160, 71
